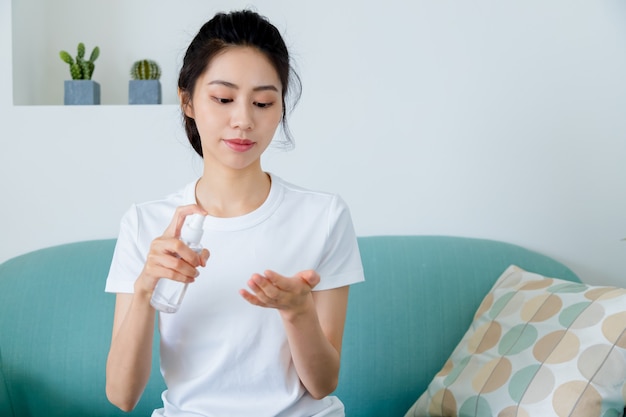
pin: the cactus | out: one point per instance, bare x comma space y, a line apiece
79, 68
145, 69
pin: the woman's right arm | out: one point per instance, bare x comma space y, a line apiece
130, 356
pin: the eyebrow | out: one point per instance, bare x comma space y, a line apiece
236, 87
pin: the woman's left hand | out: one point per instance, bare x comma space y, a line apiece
273, 290
313, 323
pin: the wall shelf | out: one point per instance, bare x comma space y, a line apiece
124, 31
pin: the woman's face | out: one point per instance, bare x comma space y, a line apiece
237, 106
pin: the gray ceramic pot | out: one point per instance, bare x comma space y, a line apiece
144, 92
81, 92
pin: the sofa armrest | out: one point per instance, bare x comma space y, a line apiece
55, 330
5, 401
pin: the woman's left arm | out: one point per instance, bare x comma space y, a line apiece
314, 323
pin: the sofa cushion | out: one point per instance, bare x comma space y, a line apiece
536, 346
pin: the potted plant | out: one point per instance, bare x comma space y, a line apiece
144, 87
81, 89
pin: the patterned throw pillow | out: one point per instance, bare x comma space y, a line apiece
537, 347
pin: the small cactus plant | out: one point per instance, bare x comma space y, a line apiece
145, 69
79, 68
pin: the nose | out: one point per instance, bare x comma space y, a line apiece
242, 117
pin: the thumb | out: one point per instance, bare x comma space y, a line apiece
310, 277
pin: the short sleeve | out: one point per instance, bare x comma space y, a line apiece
128, 259
340, 263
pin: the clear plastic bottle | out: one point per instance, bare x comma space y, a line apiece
168, 294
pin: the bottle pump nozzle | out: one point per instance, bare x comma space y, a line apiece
193, 229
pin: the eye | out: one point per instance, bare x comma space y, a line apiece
262, 105
222, 100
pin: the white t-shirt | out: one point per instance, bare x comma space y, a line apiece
220, 355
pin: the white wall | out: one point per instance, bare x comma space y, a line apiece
501, 120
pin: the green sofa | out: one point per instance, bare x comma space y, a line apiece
419, 297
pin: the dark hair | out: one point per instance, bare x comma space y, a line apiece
239, 28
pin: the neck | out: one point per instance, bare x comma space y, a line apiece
232, 193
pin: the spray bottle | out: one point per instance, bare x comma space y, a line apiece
168, 294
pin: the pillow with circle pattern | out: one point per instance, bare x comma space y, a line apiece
537, 347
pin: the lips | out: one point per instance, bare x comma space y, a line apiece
239, 145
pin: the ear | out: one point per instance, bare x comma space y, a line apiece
185, 103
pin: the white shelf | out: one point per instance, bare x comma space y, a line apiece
124, 31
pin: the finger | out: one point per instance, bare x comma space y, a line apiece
310, 277
204, 256
251, 298
279, 281
172, 263
167, 252
173, 247
260, 284
253, 285
179, 266
181, 213
263, 288
257, 299
190, 256
157, 271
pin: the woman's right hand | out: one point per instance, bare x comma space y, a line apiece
171, 258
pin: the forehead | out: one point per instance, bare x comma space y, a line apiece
242, 66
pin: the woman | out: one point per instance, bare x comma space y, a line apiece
273, 348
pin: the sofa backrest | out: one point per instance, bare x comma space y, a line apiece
403, 322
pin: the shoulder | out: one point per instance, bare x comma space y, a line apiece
155, 215
303, 195
313, 206
169, 202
